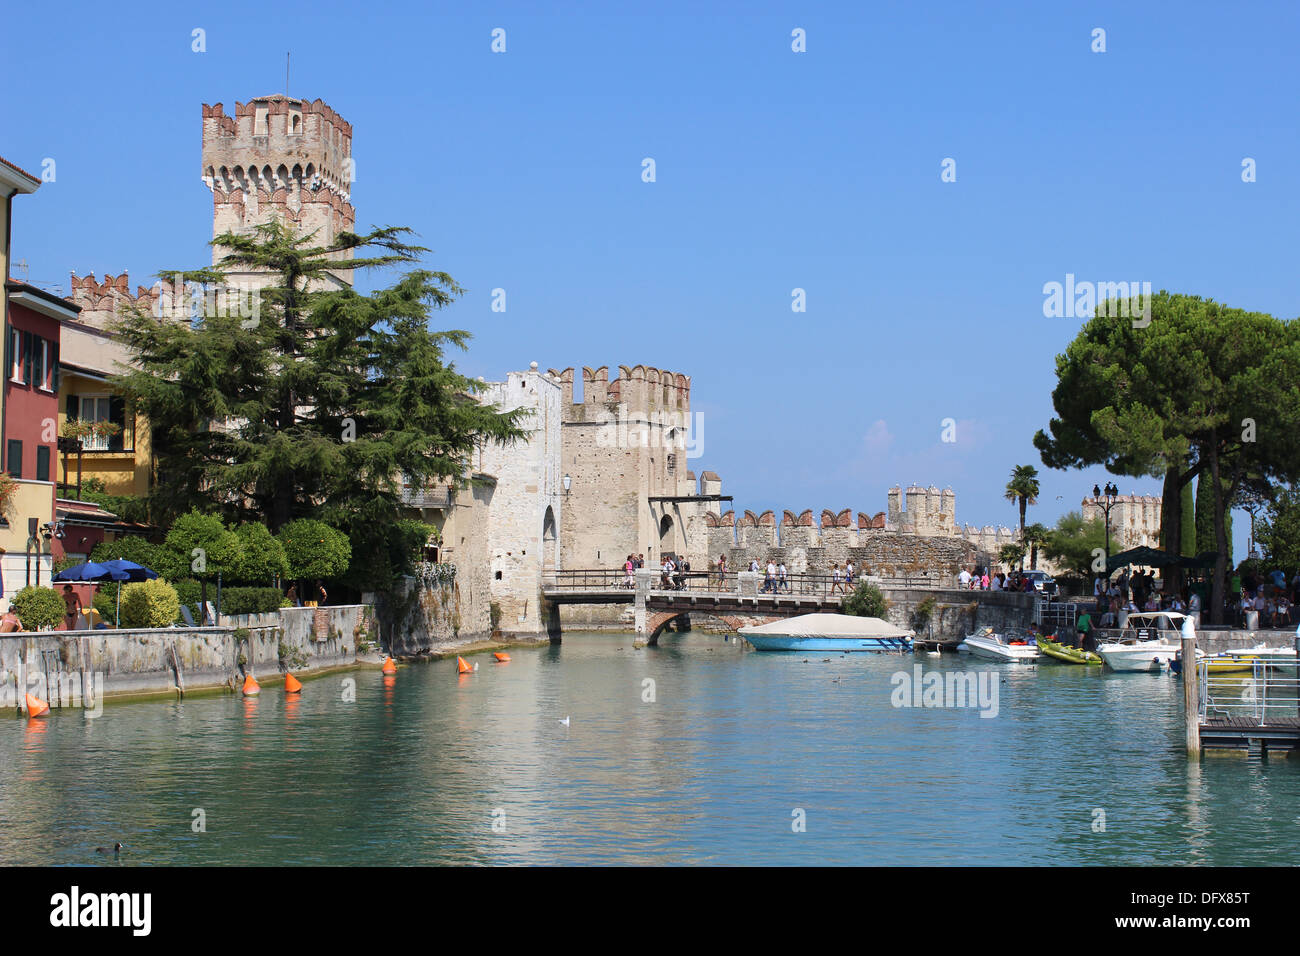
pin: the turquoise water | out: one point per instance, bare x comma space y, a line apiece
419, 769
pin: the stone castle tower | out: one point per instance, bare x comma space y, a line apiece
279, 158
625, 448
929, 512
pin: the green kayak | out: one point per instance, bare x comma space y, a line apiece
1066, 653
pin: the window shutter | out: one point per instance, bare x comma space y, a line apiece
54, 357
117, 415
9, 353
42, 462
27, 358
74, 407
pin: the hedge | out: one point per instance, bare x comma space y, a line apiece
38, 607
248, 600
149, 604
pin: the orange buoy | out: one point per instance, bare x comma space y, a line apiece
462, 667
291, 684
389, 666
251, 687
36, 707
501, 658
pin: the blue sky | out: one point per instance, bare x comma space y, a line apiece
775, 170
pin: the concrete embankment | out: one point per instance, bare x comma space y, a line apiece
57, 665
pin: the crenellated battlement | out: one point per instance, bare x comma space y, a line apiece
102, 302
279, 158
643, 389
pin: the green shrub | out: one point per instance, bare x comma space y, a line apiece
105, 602
261, 557
38, 607
249, 600
867, 601
149, 604
314, 549
131, 548
219, 549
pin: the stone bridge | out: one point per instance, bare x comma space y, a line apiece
654, 608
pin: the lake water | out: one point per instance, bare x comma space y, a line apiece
734, 753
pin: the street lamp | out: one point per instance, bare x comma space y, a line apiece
1105, 504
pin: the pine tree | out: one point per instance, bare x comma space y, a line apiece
318, 407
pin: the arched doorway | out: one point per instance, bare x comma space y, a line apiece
667, 536
550, 541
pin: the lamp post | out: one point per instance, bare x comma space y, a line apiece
1105, 501
568, 481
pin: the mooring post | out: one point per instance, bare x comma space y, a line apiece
1191, 689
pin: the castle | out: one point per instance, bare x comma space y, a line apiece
600, 475
1134, 520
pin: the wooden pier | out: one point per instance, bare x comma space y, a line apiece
1256, 709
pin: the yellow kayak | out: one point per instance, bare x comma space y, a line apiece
1066, 653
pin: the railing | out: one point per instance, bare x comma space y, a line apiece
1267, 691
613, 579
592, 579
1051, 615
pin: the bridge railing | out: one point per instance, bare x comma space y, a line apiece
586, 579
809, 584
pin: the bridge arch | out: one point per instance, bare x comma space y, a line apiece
659, 620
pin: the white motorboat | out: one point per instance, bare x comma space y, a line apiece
1004, 648
828, 632
1149, 641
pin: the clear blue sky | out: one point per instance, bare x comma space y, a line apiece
775, 170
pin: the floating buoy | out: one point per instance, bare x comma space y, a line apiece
501, 658
291, 684
389, 666
36, 707
251, 687
462, 667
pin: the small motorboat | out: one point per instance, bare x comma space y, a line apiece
1065, 653
1148, 643
1009, 648
828, 632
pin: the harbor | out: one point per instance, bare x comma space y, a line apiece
419, 766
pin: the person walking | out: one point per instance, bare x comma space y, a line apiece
629, 573
782, 580
1084, 629
835, 578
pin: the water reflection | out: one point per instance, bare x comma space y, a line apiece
695, 751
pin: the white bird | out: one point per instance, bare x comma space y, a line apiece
565, 721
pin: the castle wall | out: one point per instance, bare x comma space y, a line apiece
527, 508
624, 446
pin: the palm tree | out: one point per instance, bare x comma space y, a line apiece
1034, 535
1023, 487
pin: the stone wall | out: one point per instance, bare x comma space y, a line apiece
932, 560
153, 661
958, 613
527, 506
